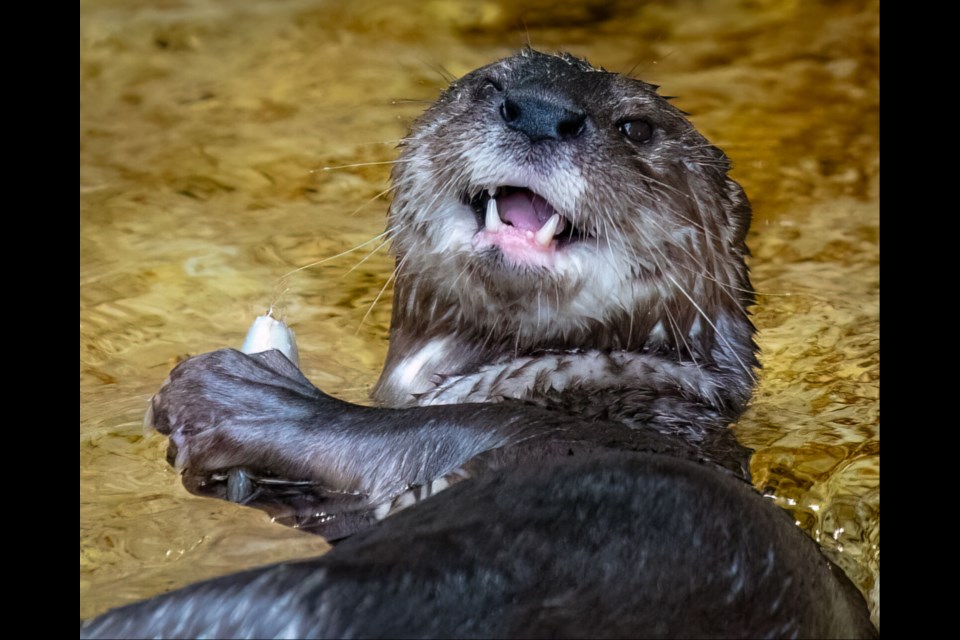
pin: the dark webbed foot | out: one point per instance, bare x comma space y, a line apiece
301, 504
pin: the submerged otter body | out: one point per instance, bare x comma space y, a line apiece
569, 344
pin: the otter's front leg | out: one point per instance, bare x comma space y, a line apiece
252, 428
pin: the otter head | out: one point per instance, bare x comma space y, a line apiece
542, 204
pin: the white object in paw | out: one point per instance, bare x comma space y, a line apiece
268, 333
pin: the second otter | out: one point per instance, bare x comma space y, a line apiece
569, 343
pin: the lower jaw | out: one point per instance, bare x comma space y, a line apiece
517, 250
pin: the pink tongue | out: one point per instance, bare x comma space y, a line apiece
524, 210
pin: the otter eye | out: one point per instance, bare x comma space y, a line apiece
637, 130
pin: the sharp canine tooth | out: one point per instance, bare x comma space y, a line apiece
549, 228
491, 191
492, 221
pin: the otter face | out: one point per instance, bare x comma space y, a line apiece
541, 201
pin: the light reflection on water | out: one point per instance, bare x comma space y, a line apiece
204, 130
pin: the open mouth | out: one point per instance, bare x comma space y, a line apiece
518, 217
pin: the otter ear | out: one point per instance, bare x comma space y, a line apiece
738, 210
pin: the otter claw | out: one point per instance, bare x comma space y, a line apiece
148, 418
178, 448
239, 486
148, 422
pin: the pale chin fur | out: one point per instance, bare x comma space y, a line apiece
594, 274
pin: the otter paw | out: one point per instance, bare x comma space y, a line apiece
218, 407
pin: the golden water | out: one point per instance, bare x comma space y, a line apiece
205, 128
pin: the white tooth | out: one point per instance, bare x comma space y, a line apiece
493, 216
491, 191
547, 231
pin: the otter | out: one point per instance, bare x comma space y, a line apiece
570, 342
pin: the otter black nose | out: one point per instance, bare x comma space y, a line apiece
541, 118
